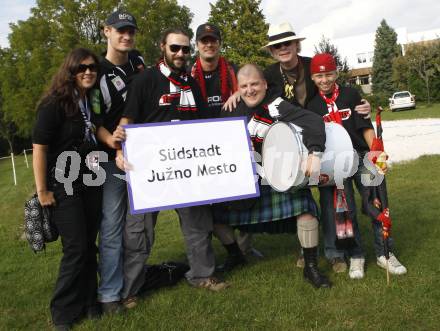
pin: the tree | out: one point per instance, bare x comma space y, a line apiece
244, 30
423, 59
325, 46
39, 44
385, 50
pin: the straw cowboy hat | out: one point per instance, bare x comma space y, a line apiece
279, 33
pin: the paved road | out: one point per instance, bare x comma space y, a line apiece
409, 139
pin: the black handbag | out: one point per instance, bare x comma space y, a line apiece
37, 224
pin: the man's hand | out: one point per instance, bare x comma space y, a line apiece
364, 108
232, 102
313, 165
118, 136
46, 198
121, 162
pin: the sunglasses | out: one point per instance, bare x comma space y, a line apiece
285, 43
177, 48
93, 67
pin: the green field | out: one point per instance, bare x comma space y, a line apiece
422, 111
267, 294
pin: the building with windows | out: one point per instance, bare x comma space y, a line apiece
359, 51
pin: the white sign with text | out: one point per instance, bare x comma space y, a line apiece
187, 163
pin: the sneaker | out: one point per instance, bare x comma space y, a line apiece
338, 265
110, 308
212, 284
394, 266
356, 268
130, 302
300, 262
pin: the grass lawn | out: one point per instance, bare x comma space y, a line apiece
267, 294
422, 111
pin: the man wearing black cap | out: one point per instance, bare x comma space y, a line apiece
218, 83
117, 70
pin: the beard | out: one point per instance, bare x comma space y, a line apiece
169, 60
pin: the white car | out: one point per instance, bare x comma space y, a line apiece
402, 100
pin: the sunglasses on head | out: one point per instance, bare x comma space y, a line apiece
176, 48
93, 67
284, 43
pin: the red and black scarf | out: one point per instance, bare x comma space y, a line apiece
228, 80
344, 225
179, 87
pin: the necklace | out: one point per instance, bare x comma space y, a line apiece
289, 89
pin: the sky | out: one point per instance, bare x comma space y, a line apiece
310, 19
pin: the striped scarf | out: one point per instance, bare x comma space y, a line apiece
344, 225
228, 80
179, 88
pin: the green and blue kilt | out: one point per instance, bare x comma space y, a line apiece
272, 212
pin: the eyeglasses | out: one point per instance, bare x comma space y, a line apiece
176, 48
208, 40
131, 30
93, 67
285, 43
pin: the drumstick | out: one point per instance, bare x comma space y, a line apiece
388, 274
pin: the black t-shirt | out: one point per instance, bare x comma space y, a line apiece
354, 123
59, 132
213, 91
149, 99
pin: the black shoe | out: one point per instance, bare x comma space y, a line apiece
63, 327
110, 308
231, 262
93, 312
311, 271
234, 259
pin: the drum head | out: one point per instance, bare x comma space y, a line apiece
338, 161
281, 156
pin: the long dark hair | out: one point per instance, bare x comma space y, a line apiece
63, 85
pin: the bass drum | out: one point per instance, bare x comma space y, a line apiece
284, 157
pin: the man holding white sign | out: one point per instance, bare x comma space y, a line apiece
165, 93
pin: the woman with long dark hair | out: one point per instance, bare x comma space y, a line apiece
63, 137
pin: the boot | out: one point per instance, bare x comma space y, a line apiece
234, 259
311, 271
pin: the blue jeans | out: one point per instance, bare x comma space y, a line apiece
328, 221
114, 203
377, 226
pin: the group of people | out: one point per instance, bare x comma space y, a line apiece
90, 99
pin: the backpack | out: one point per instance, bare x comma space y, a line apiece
37, 226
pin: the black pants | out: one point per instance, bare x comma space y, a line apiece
76, 218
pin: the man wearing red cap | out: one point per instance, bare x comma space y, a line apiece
290, 75
336, 104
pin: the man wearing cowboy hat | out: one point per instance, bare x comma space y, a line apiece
290, 75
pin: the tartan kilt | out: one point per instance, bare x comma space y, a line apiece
273, 212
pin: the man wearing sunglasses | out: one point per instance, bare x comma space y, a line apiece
117, 69
290, 75
164, 93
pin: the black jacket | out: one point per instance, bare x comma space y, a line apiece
275, 81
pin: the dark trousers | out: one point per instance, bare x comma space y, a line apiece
76, 218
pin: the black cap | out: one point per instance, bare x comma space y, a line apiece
206, 30
120, 19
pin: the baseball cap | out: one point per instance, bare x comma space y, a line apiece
119, 19
208, 30
323, 62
